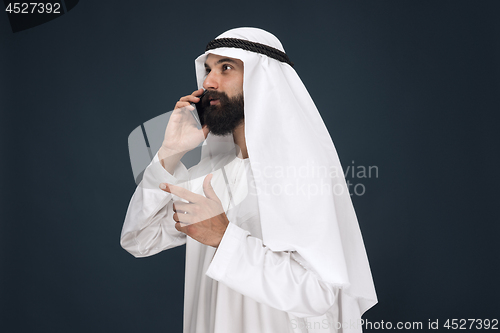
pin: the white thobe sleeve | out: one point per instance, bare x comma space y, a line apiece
149, 227
277, 279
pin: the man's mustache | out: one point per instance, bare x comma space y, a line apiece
211, 95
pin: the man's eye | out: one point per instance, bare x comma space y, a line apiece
225, 67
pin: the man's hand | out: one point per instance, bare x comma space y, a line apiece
202, 218
182, 133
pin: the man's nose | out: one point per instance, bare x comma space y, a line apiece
211, 81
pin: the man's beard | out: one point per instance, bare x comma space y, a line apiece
224, 117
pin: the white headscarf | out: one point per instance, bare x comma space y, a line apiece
304, 202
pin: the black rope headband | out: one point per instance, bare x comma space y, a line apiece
249, 46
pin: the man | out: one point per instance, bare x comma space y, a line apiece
272, 240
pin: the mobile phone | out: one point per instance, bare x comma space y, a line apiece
199, 110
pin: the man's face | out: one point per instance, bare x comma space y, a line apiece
222, 106
224, 74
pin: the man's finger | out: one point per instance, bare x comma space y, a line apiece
198, 92
181, 207
182, 107
190, 99
208, 189
180, 227
181, 192
183, 218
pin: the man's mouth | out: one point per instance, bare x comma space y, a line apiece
214, 101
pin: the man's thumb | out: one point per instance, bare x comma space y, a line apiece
208, 189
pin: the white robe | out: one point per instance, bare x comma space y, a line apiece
242, 286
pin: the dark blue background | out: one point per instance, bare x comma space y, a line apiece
412, 87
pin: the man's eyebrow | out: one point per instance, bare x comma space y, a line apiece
223, 60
